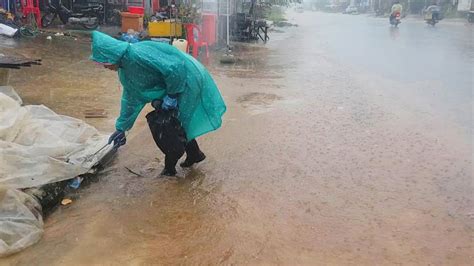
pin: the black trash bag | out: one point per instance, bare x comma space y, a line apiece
167, 131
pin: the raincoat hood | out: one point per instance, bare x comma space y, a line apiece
106, 49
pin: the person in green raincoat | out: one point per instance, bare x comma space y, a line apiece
151, 71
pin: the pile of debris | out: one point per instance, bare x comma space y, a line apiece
13, 25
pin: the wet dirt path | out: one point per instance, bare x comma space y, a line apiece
67, 81
317, 162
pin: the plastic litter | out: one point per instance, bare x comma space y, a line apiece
65, 202
131, 36
7, 30
76, 182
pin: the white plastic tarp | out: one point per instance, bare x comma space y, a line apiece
7, 30
21, 223
38, 146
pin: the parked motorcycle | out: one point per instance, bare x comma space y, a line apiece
88, 16
432, 14
113, 17
395, 19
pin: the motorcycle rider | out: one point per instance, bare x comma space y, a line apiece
397, 8
434, 10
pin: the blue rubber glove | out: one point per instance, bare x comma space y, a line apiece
118, 138
169, 102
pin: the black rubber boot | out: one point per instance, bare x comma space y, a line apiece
190, 161
168, 172
193, 154
170, 165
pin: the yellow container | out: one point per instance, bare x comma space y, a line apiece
165, 28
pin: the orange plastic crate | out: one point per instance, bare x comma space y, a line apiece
132, 21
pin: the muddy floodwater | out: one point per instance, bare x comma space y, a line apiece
345, 142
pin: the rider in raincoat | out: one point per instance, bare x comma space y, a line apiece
397, 8
152, 71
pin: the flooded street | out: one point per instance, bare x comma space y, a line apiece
345, 142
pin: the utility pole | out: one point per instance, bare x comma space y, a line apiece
228, 31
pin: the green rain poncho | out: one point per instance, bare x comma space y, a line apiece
150, 70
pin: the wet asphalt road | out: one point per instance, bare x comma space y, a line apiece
435, 63
328, 155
